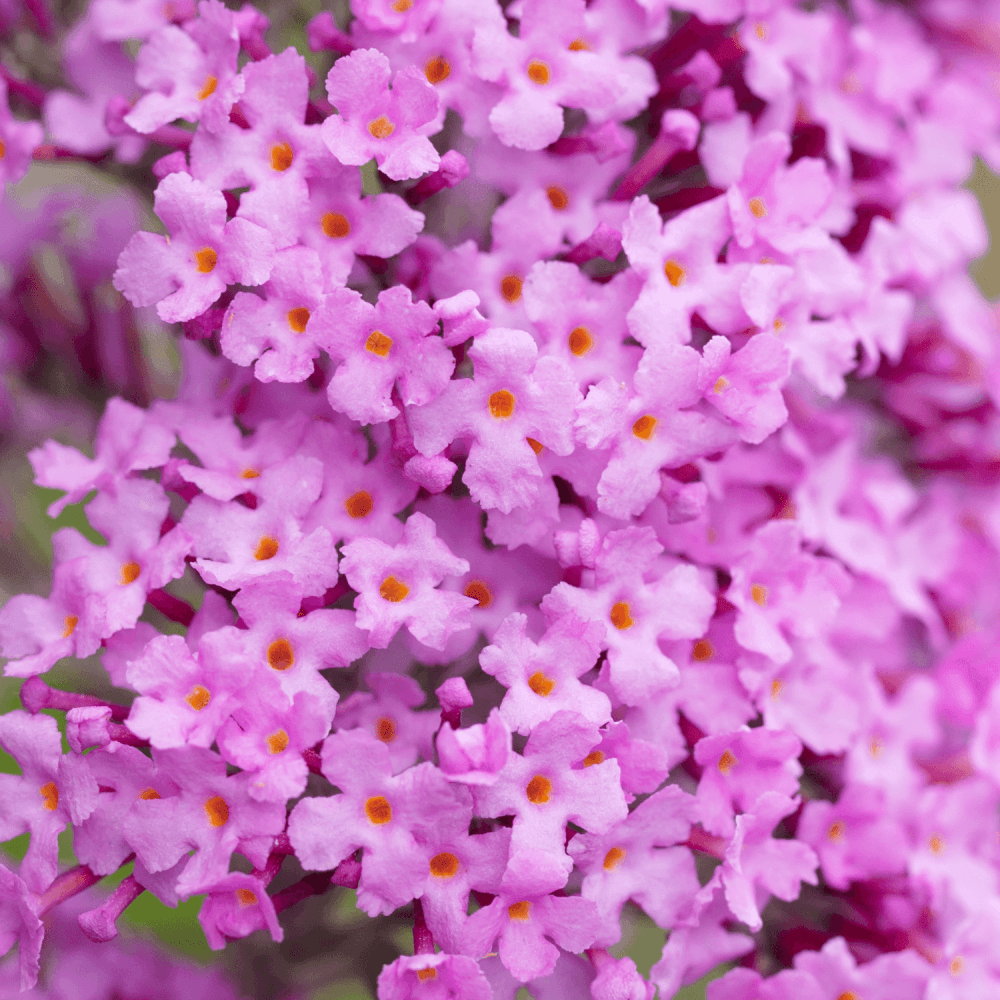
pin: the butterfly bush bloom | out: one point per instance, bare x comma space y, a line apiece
577, 503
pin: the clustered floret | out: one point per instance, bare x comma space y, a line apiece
662, 453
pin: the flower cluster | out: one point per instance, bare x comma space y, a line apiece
554, 516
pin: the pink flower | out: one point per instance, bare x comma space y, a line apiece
189, 72
184, 275
19, 923
211, 813
18, 140
524, 915
397, 585
31, 800
375, 811
380, 348
554, 782
543, 679
638, 860
184, 700
434, 977
514, 396
741, 766
373, 121
278, 331
634, 610
756, 861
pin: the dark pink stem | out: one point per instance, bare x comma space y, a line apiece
423, 940
40, 12
699, 840
36, 695
678, 132
171, 607
602, 242
30, 92
65, 887
454, 169
99, 924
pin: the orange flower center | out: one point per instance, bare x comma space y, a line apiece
643, 428
149, 793
206, 259
393, 590
217, 811
297, 319
539, 789
267, 548
424, 974
437, 69
501, 404
674, 272
837, 830
359, 504
249, 474
280, 655
759, 594
594, 757
444, 865
69, 625
281, 156
246, 897
130, 572
510, 287
727, 762
50, 796
208, 87
536, 446
381, 128
378, 343
580, 341
721, 384
335, 225
277, 742
702, 650
378, 810
758, 208
519, 911
199, 697
538, 72
936, 843
541, 684
385, 728
614, 858
558, 198
621, 615
478, 591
